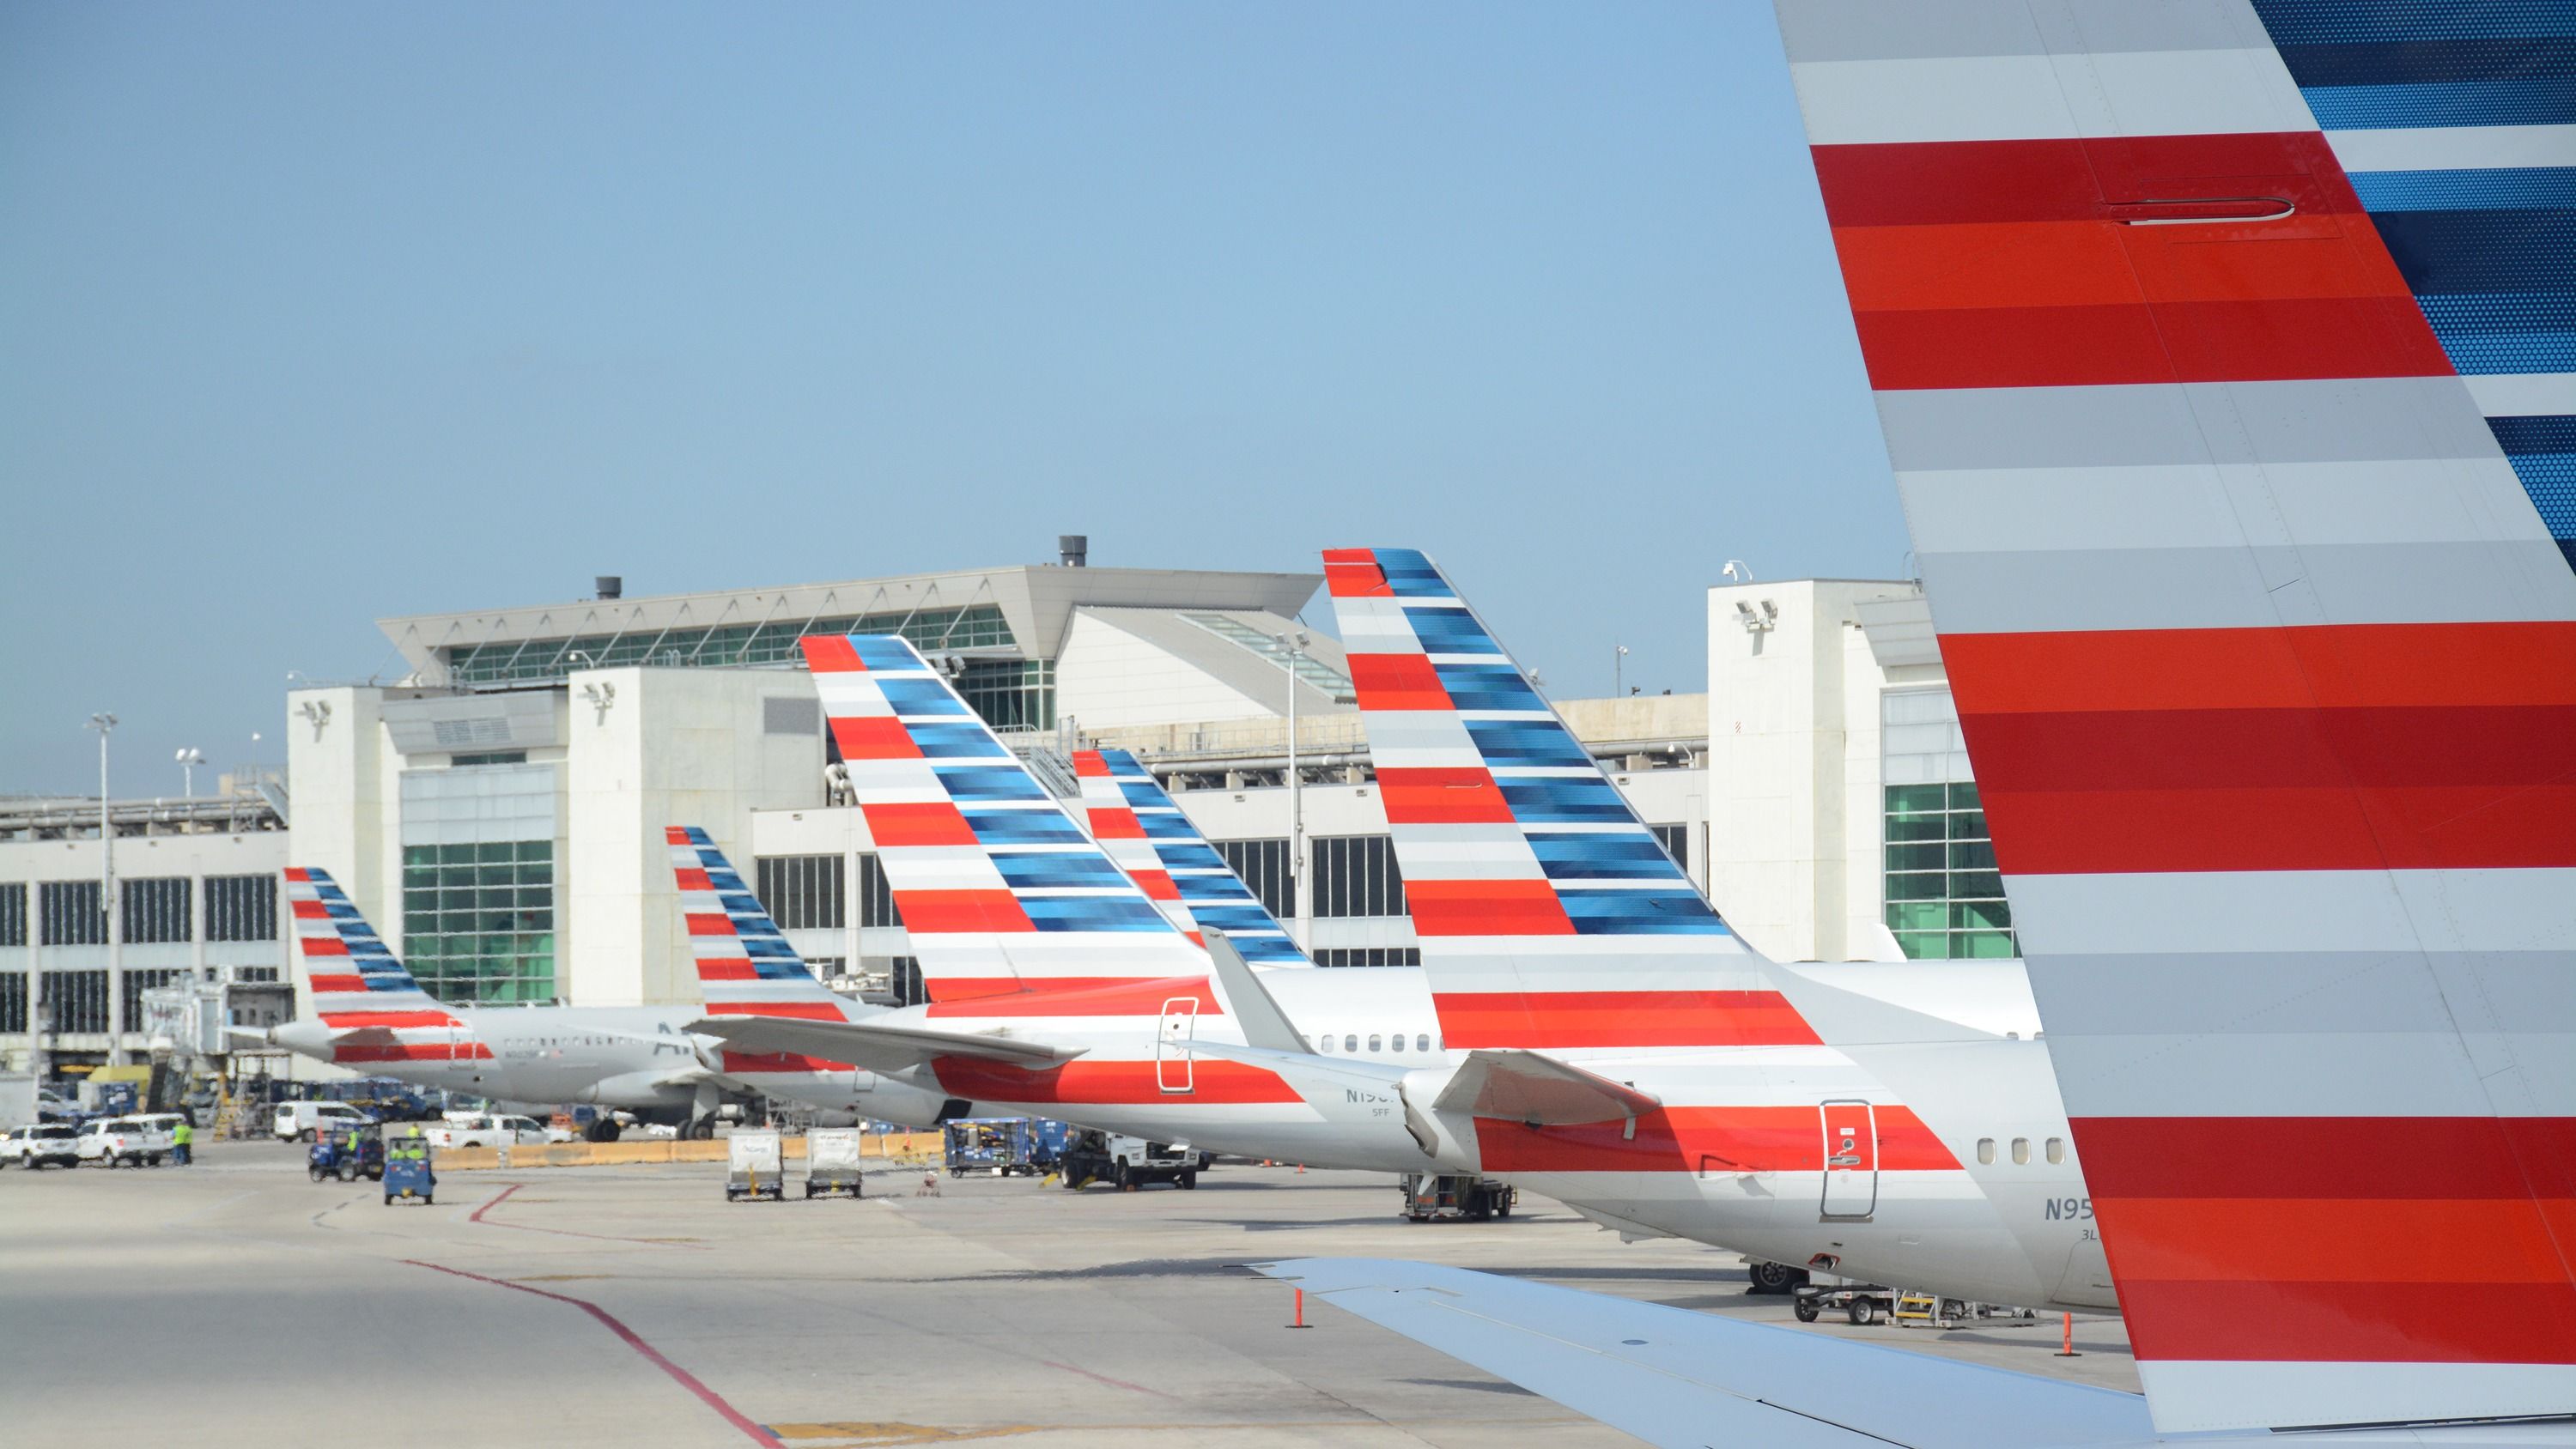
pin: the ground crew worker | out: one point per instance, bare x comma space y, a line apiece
181, 1137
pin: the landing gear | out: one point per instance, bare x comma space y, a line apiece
1774, 1278
603, 1129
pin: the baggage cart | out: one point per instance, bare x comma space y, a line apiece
753, 1165
832, 1162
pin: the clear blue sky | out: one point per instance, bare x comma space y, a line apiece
313, 314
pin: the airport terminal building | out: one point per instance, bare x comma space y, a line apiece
498, 814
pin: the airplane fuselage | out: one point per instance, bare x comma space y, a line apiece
638, 1058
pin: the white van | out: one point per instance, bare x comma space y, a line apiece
309, 1120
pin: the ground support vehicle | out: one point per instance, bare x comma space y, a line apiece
1002, 1146
1126, 1163
1930, 1310
312, 1121
346, 1155
1429, 1196
1862, 1303
407, 1174
41, 1144
832, 1162
753, 1165
130, 1141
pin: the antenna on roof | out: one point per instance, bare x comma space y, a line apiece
1073, 549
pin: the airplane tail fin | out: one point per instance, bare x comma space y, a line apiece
359, 986
1136, 822
2265, 657
1549, 915
999, 890
745, 966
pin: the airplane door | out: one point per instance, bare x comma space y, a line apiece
1172, 1059
1851, 1159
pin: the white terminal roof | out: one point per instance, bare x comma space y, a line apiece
1035, 601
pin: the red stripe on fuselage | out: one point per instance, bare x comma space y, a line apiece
804, 1010
353, 1020
771, 1063
1541, 1020
1080, 1083
1703, 1139
473, 1051
1141, 996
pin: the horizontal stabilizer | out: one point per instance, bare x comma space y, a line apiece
1519, 1086
877, 1047
1673, 1377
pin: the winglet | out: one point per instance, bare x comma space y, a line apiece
1264, 1023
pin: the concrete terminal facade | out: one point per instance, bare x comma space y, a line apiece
499, 813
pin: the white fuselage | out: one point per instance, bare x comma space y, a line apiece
639, 1058
1933, 1215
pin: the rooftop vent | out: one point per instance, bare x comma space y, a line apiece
1074, 549
610, 586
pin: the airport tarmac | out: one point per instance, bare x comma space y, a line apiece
236, 1303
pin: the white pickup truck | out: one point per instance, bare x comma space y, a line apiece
132, 1141
486, 1130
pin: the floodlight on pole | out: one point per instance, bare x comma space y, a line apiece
189, 758
1293, 644
105, 724
1619, 672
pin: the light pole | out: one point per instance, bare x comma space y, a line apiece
189, 759
1294, 642
105, 723
1619, 673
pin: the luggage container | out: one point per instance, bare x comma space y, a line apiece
754, 1165
832, 1162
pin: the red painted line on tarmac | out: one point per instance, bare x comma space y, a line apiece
757, 1433
477, 1217
1106, 1379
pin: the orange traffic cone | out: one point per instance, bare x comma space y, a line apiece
1301, 1167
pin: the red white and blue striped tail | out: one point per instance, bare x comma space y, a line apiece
2265, 656
376, 1011
1549, 915
999, 889
1149, 838
745, 966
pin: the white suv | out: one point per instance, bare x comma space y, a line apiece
41, 1144
132, 1141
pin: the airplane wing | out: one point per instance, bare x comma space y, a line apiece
1532, 1087
874, 1045
1673, 1377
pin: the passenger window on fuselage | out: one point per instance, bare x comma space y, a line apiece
1422, 1043
1351, 1043
1985, 1149
1377, 1043
2056, 1150
1325, 1042
1396, 1041
2021, 1149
